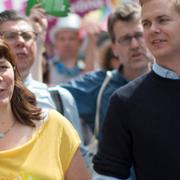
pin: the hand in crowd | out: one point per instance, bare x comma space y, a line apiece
39, 17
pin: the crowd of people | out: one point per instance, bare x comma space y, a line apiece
105, 107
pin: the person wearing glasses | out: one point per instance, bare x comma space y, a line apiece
34, 144
128, 46
142, 123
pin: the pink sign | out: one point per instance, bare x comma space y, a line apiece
81, 7
13, 4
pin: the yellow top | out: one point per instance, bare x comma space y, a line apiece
46, 156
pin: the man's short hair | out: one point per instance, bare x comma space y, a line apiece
176, 3
127, 12
12, 15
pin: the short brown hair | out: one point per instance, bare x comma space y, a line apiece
127, 12
23, 102
12, 15
176, 4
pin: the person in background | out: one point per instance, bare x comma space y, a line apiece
65, 65
67, 62
142, 123
27, 133
128, 46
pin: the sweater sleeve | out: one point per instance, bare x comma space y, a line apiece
102, 177
114, 157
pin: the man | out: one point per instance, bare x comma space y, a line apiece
66, 40
142, 123
128, 45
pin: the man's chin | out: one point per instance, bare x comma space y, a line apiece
141, 64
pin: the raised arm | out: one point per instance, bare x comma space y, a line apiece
39, 18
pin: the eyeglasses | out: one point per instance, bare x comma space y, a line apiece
127, 39
11, 36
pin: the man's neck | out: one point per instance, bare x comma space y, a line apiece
24, 75
130, 74
175, 67
170, 62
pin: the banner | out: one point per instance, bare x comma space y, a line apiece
18, 5
81, 7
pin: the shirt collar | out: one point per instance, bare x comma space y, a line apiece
163, 72
28, 80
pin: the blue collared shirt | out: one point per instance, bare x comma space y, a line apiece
59, 73
85, 91
164, 72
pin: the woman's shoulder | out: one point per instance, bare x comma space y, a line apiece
58, 121
59, 126
54, 117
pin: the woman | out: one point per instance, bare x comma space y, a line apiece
33, 144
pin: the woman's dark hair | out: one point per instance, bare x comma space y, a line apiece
23, 102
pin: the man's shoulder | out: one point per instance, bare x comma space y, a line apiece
87, 81
132, 87
118, 78
95, 75
38, 84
